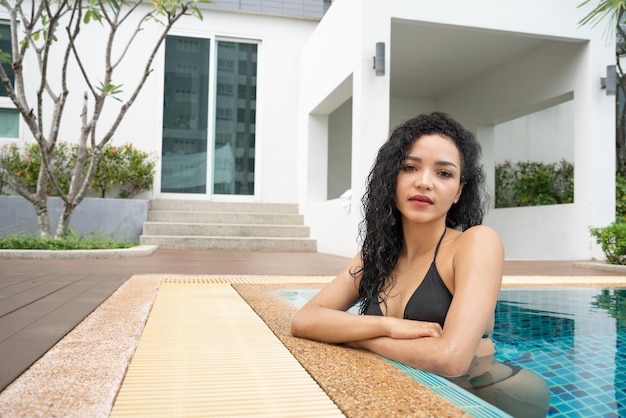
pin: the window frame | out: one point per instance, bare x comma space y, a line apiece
214, 38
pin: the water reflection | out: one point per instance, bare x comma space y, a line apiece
613, 301
519, 392
514, 389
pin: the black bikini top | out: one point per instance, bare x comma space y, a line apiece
430, 301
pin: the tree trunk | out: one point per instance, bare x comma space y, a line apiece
620, 131
43, 218
64, 220
620, 96
40, 201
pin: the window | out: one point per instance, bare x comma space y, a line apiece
233, 167
186, 105
9, 116
185, 115
224, 89
9, 123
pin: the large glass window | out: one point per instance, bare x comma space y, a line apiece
233, 155
9, 117
5, 46
185, 114
186, 107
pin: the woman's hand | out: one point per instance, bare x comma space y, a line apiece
406, 329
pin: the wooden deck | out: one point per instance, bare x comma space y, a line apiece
42, 300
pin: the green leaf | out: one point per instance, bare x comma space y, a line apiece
5, 57
110, 90
605, 9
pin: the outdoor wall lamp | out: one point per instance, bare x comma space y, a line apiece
610, 81
379, 59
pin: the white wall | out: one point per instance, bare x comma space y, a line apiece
567, 66
280, 41
326, 83
339, 150
404, 108
344, 38
546, 136
546, 76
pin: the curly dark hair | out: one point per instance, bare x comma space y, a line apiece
381, 228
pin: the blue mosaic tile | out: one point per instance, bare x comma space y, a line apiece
579, 358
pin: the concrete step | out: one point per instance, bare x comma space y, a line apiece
209, 206
230, 244
205, 225
224, 230
238, 218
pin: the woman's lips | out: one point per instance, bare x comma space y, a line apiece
421, 200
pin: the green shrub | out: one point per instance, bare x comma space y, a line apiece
534, 184
612, 239
71, 241
107, 173
125, 167
23, 165
136, 171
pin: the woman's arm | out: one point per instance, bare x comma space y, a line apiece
477, 269
324, 318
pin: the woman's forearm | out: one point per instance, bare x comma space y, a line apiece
333, 326
434, 355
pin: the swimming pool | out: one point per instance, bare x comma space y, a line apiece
575, 338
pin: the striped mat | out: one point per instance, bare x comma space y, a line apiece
204, 352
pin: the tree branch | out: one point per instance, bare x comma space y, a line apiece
171, 20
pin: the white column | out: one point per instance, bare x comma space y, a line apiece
370, 111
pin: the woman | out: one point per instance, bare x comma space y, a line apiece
428, 274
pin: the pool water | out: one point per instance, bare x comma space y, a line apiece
575, 338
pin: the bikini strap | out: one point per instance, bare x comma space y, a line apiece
438, 244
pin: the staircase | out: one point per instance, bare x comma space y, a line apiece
203, 225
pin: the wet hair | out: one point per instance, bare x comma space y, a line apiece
380, 231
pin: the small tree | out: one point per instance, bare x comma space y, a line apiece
37, 28
612, 11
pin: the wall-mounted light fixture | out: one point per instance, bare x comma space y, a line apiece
379, 59
610, 81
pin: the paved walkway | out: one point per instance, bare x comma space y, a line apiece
41, 300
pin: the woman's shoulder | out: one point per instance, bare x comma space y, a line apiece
475, 252
480, 232
479, 239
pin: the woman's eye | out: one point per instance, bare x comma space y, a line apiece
445, 174
409, 168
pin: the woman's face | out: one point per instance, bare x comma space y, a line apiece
429, 179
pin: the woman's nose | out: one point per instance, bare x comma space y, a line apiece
423, 180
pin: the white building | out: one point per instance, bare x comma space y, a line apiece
278, 101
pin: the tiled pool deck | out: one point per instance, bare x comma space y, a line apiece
83, 373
